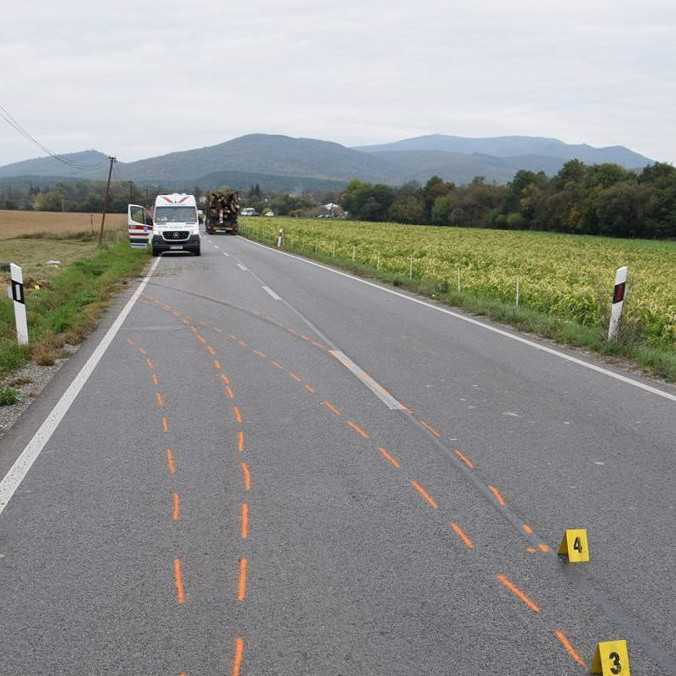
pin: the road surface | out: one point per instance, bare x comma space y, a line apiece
263, 466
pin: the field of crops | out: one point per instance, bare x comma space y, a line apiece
18, 223
566, 276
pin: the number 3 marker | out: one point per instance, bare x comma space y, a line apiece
611, 657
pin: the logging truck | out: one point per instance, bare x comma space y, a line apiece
221, 212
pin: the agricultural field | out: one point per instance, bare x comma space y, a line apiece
567, 277
21, 223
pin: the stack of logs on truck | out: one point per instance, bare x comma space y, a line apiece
222, 209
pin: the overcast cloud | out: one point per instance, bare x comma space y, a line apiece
143, 78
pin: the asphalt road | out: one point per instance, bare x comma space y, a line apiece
231, 493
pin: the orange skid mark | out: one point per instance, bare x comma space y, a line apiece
260, 354
178, 580
241, 590
392, 460
527, 529
159, 400
463, 458
211, 350
563, 639
462, 535
430, 429
171, 463
498, 496
240, 441
296, 377
508, 584
175, 507
237, 414
359, 430
228, 392
331, 407
277, 365
217, 364
238, 658
165, 423
310, 389
246, 476
425, 495
245, 521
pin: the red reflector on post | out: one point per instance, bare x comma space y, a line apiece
618, 295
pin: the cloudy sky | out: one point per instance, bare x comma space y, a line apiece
143, 78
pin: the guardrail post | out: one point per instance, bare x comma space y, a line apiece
19, 304
618, 302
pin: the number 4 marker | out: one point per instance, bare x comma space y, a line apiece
611, 657
574, 545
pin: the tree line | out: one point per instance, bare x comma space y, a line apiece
602, 199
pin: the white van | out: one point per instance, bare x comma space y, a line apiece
175, 225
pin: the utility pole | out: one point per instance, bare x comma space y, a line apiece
105, 199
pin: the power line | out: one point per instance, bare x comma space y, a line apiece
16, 125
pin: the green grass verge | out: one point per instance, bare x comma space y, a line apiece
69, 307
653, 360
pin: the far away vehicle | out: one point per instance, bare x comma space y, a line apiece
175, 226
221, 212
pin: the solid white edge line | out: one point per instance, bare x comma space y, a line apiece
270, 292
18, 471
470, 320
365, 378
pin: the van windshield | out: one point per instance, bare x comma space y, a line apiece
175, 215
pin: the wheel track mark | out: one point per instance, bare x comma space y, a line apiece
462, 535
238, 658
244, 515
171, 463
463, 458
331, 407
430, 429
569, 648
391, 459
241, 590
498, 496
424, 494
178, 581
508, 584
358, 429
246, 476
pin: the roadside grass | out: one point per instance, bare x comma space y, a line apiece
630, 344
69, 301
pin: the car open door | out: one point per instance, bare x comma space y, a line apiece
139, 231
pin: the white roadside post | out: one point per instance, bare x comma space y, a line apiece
517, 292
280, 239
19, 304
618, 302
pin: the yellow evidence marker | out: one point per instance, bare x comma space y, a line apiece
575, 545
611, 657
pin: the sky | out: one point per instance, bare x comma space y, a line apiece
142, 78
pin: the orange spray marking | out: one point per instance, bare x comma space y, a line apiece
237, 414
310, 389
430, 429
393, 461
171, 464
246, 476
228, 392
165, 423
508, 584
245, 521
241, 592
178, 579
175, 507
498, 497
464, 458
425, 495
462, 535
569, 648
331, 407
239, 654
359, 430
240, 441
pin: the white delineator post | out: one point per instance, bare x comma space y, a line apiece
618, 302
280, 239
19, 304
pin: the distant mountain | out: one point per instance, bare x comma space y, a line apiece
284, 163
85, 164
514, 147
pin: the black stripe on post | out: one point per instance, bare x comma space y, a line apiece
618, 295
17, 292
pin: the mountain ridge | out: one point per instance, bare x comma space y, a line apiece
276, 156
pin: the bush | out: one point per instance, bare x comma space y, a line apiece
8, 396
